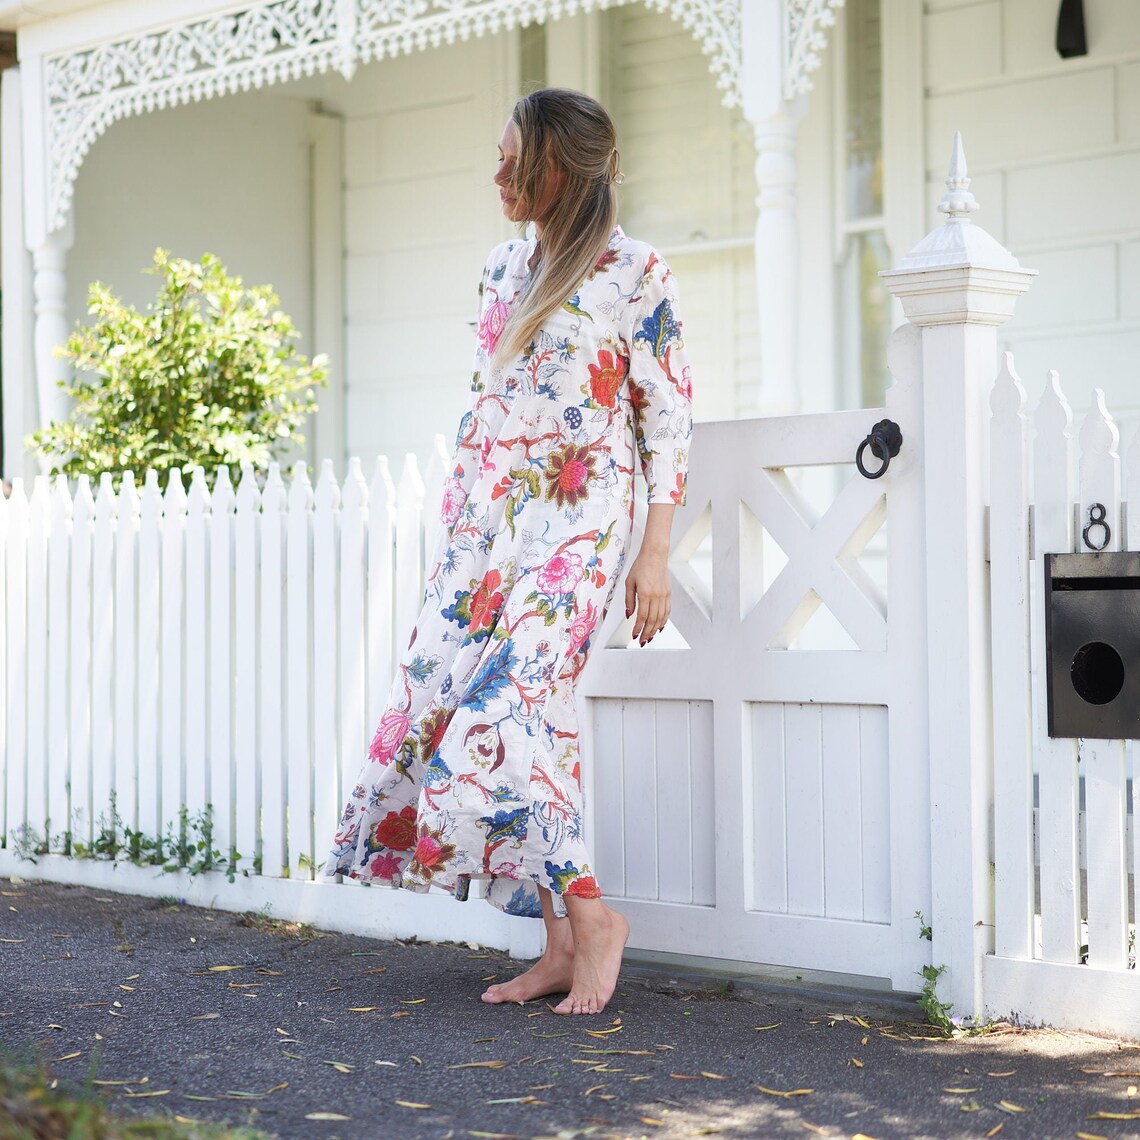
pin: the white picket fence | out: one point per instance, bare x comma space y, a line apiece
189, 659
1065, 870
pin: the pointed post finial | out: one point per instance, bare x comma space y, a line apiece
958, 203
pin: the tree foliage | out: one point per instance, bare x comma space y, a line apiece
208, 376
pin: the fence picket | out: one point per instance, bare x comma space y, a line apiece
353, 580
16, 669
298, 696
271, 672
196, 779
126, 608
439, 467
171, 760
83, 808
57, 768
103, 657
409, 584
1056, 759
222, 754
246, 822
1009, 625
328, 794
381, 536
1103, 760
149, 659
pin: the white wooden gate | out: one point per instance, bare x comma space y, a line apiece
756, 799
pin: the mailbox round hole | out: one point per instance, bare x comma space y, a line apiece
1098, 673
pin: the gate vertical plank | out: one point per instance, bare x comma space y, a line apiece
196, 778
127, 602
223, 756
1105, 784
103, 778
271, 649
1053, 485
842, 812
330, 797
57, 769
171, 784
409, 585
149, 664
1009, 631
607, 788
675, 801
247, 825
353, 575
298, 681
876, 826
639, 789
16, 668
702, 775
769, 809
83, 808
803, 776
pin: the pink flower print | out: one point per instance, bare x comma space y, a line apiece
560, 574
389, 736
581, 628
492, 324
685, 387
385, 866
453, 499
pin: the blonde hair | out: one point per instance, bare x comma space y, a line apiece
568, 134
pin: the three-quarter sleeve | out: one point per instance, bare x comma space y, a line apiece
660, 386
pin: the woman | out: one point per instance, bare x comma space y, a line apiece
579, 370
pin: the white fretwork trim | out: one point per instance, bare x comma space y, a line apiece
272, 42
804, 40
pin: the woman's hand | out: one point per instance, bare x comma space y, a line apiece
648, 591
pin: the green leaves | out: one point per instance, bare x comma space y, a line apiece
208, 376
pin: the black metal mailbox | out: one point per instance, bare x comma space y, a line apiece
1092, 638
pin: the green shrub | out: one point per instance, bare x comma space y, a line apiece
207, 377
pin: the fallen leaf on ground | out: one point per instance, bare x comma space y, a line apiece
328, 1115
491, 1135
237, 1094
140, 1081
219, 969
856, 1062
411, 1104
340, 1066
761, 1028
995, 1130
713, 1076
480, 1065
13, 941
1113, 1116
682, 1077
1090, 1136
364, 1008
159, 1092
789, 1093
205, 1016
960, 1092
1010, 1073
603, 1032
1009, 1106
394, 1064
412, 1001
651, 1120
68, 1057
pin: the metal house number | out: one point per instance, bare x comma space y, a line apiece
1097, 520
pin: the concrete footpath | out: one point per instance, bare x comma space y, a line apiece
218, 1016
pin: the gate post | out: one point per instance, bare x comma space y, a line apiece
958, 285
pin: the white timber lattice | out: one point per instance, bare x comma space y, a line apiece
734, 748
87, 88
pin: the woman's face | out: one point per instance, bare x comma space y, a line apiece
515, 210
505, 175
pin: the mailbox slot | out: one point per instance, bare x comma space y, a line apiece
1092, 640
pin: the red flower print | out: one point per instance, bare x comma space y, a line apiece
606, 377
397, 830
389, 736
431, 853
492, 324
486, 601
432, 731
584, 887
568, 471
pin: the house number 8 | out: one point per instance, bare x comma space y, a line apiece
1097, 518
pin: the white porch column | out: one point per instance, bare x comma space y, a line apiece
49, 286
775, 121
958, 285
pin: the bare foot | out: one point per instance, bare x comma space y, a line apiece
599, 937
553, 973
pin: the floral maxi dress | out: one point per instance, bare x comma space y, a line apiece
474, 770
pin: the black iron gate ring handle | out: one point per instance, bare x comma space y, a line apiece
885, 440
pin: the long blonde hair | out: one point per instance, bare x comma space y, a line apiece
561, 132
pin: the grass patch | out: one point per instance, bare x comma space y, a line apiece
34, 1106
